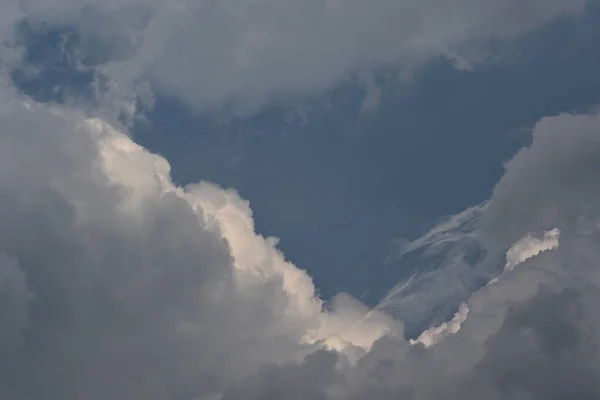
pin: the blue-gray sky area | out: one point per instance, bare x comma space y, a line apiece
339, 184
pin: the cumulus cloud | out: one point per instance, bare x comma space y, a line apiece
245, 53
555, 179
436, 334
117, 283
530, 246
531, 335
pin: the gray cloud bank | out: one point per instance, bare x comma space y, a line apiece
246, 53
531, 333
116, 283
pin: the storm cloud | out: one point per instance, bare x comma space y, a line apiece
115, 282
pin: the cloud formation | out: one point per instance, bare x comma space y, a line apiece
532, 334
530, 246
116, 283
246, 53
450, 261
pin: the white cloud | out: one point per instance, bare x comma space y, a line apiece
530, 246
436, 334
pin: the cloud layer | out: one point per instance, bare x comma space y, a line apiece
116, 283
245, 54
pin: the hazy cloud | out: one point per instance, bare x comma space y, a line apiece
244, 54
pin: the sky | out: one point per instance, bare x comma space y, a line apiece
330, 199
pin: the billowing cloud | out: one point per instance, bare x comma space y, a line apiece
532, 334
555, 178
115, 283
436, 334
530, 246
245, 53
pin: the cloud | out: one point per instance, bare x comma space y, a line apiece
456, 228
555, 179
524, 249
548, 187
436, 334
449, 262
15, 297
117, 283
245, 54
541, 339
531, 335
453, 231
530, 246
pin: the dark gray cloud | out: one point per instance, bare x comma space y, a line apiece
100, 292
309, 379
543, 351
545, 348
